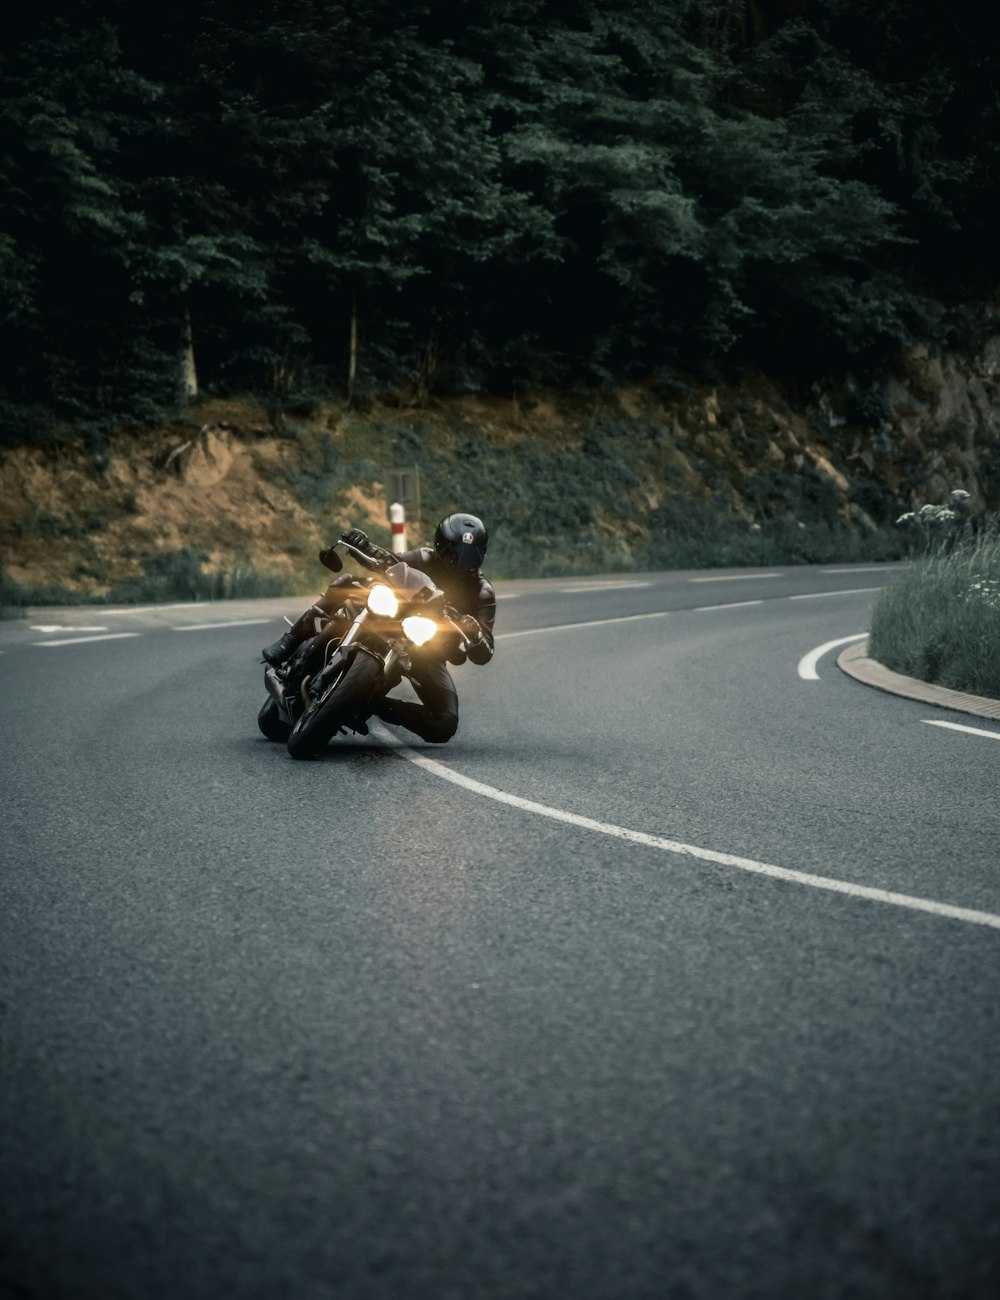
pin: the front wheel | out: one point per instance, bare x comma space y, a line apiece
347, 701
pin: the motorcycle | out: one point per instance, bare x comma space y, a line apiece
334, 681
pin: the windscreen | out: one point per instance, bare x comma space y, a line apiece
411, 584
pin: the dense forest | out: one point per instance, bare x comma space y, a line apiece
456, 196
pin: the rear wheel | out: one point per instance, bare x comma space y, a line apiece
346, 702
271, 723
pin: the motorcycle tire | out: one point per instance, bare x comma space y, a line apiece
347, 701
271, 723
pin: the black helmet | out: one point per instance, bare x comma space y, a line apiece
460, 541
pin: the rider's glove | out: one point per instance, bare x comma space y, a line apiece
359, 540
471, 629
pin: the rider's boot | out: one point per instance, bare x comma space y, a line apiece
284, 679
280, 650
417, 718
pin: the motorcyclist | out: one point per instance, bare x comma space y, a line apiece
453, 564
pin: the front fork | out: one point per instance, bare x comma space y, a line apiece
389, 658
316, 685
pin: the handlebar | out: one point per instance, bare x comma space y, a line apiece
332, 560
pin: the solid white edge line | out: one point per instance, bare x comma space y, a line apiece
204, 627
957, 726
848, 591
144, 609
737, 577
79, 640
438, 768
807, 664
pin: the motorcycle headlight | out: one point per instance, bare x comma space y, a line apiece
381, 600
419, 629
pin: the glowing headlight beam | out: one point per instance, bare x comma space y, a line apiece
381, 600
419, 629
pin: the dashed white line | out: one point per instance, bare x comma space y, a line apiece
439, 769
591, 622
737, 577
79, 640
601, 586
204, 627
736, 604
819, 595
874, 568
807, 664
65, 627
957, 726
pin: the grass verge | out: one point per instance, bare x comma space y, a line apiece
939, 620
177, 575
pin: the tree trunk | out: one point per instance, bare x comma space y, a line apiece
188, 371
352, 364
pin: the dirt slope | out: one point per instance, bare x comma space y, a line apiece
229, 485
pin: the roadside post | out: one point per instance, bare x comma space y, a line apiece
397, 518
402, 490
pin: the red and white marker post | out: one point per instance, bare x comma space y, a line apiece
397, 518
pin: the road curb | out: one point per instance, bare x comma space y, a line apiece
855, 663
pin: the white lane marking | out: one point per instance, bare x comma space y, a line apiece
602, 586
591, 622
508, 595
819, 595
736, 604
807, 664
957, 726
204, 627
857, 568
144, 609
737, 577
64, 627
79, 640
437, 768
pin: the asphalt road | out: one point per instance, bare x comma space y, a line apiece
349, 1029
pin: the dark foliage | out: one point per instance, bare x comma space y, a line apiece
344, 199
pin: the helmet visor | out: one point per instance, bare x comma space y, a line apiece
463, 557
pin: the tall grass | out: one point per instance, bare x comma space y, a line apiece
940, 619
180, 575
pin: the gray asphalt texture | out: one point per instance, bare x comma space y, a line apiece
341, 1029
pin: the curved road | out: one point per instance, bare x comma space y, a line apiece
674, 975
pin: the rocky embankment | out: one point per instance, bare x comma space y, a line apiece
590, 476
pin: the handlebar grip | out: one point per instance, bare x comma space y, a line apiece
376, 565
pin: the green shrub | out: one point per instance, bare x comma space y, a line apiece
691, 534
939, 620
